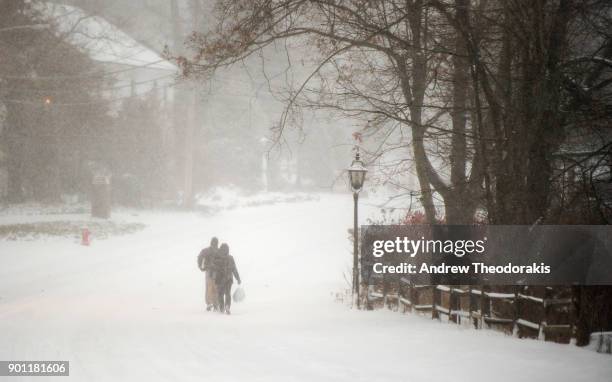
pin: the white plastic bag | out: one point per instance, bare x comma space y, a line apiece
239, 294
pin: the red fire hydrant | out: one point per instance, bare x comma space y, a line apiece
85, 240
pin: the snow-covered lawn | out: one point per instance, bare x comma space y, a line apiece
131, 308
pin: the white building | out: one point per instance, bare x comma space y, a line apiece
135, 67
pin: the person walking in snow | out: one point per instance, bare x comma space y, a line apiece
205, 263
225, 271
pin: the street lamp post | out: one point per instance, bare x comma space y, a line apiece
357, 173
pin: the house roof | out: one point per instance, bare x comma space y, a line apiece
101, 40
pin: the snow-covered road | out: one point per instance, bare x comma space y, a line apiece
131, 308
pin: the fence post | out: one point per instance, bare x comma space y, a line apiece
470, 305
416, 297
482, 306
573, 310
517, 311
434, 311
544, 321
384, 281
452, 304
400, 295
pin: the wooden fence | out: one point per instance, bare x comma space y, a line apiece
547, 313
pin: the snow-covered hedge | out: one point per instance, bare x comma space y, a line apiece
230, 197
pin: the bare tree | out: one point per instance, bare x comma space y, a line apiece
528, 87
377, 60
481, 88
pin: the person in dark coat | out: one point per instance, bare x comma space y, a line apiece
205, 263
225, 272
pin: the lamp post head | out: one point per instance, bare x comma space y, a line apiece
357, 173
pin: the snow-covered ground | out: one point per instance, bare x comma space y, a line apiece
131, 308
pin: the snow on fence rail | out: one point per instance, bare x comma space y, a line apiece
546, 313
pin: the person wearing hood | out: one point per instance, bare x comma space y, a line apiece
206, 260
225, 272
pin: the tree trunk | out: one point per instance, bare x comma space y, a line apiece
415, 95
15, 171
420, 159
459, 209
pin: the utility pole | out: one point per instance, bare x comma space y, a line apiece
182, 119
195, 117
